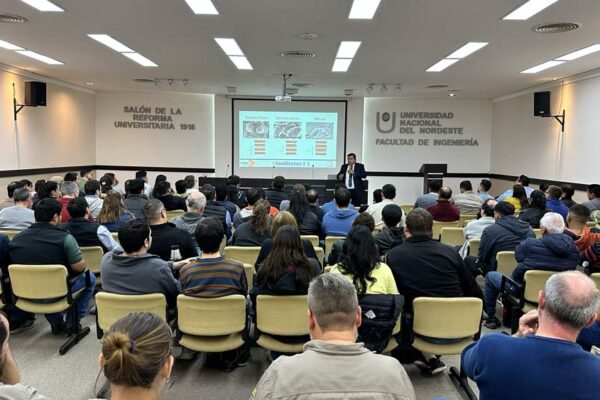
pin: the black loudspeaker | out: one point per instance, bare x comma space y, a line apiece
541, 104
35, 94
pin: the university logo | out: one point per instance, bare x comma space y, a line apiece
387, 120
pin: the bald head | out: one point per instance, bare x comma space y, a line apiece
196, 201
445, 193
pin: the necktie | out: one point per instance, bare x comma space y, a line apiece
349, 180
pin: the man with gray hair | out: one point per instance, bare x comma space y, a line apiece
554, 251
20, 216
333, 365
188, 221
69, 190
543, 361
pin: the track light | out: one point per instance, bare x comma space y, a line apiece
383, 89
369, 88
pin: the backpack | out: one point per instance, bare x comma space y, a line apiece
229, 360
380, 313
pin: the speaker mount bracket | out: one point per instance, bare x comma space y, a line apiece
560, 118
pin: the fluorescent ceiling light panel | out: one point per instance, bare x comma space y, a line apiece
341, 64
576, 54
112, 43
241, 62
43, 5
39, 57
441, 65
529, 9
202, 7
9, 46
229, 46
363, 9
140, 59
541, 67
347, 49
467, 49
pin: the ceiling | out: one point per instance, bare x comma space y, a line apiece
398, 45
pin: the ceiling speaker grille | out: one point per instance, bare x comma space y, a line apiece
144, 80
437, 86
12, 19
297, 54
302, 84
557, 27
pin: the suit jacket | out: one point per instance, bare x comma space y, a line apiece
359, 175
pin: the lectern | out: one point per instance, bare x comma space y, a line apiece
432, 172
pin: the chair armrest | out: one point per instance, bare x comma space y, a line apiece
70, 281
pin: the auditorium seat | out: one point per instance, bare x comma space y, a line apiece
464, 218
320, 255
115, 236
474, 246
93, 257
245, 255
250, 272
505, 262
314, 239
438, 225
452, 236
406, 208
174, 213
466, 222
538, 233
281, 316
10, 234
330, 240
596, 278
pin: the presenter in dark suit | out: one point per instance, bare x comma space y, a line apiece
352, 174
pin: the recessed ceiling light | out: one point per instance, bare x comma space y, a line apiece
241, 62
341, 64
140, 59
112, 43
229, 46
90, 83
529, 9
347, 49
39, 57
579, 53
363, 9
451, 93
467, 49
43, 5
541, 67
202, 7
9, 46
441, 65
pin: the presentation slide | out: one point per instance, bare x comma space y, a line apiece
272, 138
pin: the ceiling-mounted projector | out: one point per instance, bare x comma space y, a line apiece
284, 95
283, 98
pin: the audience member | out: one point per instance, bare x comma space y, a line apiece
36, 193
143, 175
136, 271
257, 229
593, 195
135, 199
190, 219
331, 205
43, 243
116, 185
106, 184
543, 361
475, 228
377, 196
213, 209
554, 251
72, 177
285, 204
313, 200
92, 196
252, 196
521, 180
427, 200
156, 191
236, 196
136, 356
86, 232
443, 210
518, 198
467, 201
338, 222
544, 187
332, 361
360, 263
181, 189
19, 216
69, 190
392, 234
567, 198
537, 209
389, 194
47, 190
190, 184
276, 194
162, 191
553, 201
308, 222
165, 236
221, 196
483, 191
85, 175
576, 220
335, 251
425, 267
211, 274
113, 213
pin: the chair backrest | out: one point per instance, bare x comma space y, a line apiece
174, 213
596, 278
250, 272
591, 224
314, 239
115, 236
320, 254
452, 236
223, 244
466, 222
282, 315
112, 307
211, 317
438, 225
535, 281
10, 234
38, 282
505, 262
406, 208
447, 318
462, 220
538, 233
330, 240
474, 246
245, 255
92, 256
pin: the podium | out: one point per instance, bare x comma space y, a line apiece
432, 172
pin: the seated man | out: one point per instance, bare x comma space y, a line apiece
135, 198
211, 274
444, 211
143, 175
69, 190
332, 360
484, 190
330, 205
238, 196
522, 180
212, 209
389, 194
221, 200
46, 243
9, 202
576, 220
425, 267
339, 221
163, 189
20, 216
427, 200
504, 235
85, 175
134, 270
276, 194
313, 200
553, 201
86, 232
392, 234
92, 196
593, 195
474, 229
467, 202
554, 251
166, 235
542, 361
195, 203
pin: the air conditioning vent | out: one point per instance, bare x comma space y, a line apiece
297, 54
144, 80
434, 87
557, 27
12, 19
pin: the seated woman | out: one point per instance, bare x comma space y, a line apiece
136, 357
283, 218
255, 231
308, 222
359, 262
113, 213
363, 219
536, 210
518, 198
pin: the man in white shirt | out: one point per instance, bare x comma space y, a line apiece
389, 194
143, 175
474, 229
467, 201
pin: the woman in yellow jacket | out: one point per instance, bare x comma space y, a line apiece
518, 198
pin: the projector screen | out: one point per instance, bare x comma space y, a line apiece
298, 139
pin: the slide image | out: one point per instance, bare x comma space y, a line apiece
256, 129
319, 130
287, 130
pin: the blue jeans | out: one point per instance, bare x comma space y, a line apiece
491, 290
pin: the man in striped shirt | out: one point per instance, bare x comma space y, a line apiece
212, 275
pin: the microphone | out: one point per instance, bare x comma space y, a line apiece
313, 172
227, 171
273, 172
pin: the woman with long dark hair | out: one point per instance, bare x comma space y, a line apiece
256, 230
360, 262
50, 189
536, 210
518, 198
113, 213
156, 191
308, 222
